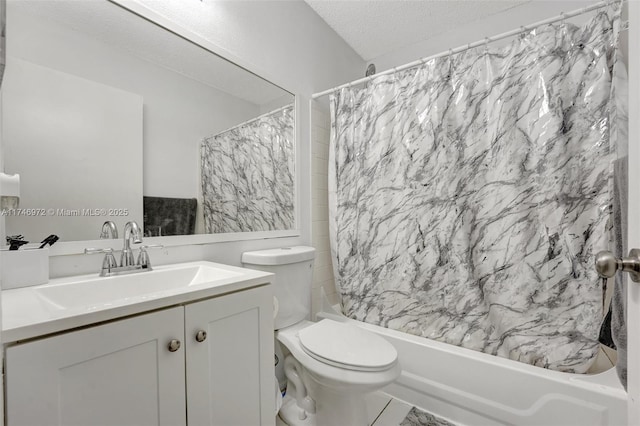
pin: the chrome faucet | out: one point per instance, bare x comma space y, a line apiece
109, 228
110, 266
131, 232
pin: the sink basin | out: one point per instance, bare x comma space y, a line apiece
98, 292
71, 302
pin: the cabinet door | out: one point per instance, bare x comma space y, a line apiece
119, 373
230, 374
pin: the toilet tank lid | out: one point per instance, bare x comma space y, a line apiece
279, 256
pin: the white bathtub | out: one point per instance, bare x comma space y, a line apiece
473, 388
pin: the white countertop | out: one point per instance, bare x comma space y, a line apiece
27, 314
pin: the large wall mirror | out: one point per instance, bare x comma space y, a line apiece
107, 116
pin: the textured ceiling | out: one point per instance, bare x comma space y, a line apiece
113, 25
376, 27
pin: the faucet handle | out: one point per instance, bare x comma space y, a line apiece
109, 261
93, 250
143, 257
151, 246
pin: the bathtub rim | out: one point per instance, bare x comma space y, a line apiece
606, 382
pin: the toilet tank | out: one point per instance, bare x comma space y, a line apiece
293, 269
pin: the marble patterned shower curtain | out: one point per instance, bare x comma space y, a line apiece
247, 175
469, 195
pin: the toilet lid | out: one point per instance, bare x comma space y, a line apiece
347, 346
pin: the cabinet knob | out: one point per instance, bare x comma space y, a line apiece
174, 345
201, 336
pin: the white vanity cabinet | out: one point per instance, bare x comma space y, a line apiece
113, 374
230, 375
125, 372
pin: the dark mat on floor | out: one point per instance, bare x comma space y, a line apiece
418, 417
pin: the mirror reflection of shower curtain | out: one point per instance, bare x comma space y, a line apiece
247, 175
468, 195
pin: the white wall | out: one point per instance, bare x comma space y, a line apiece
284, 42
178, 111
275, 104
529, 13
323, 270
107, 123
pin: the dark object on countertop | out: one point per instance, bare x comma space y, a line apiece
51, 240
16, 241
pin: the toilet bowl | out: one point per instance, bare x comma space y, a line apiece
338, 364
331, 366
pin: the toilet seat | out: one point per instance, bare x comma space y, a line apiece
346, 346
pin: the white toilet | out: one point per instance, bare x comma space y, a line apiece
332, 365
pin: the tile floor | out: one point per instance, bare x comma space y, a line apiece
384, 410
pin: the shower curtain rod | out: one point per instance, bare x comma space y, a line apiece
462, 48
251, 120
